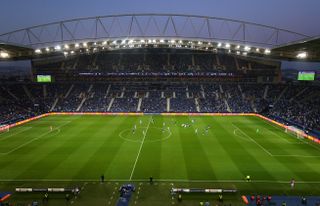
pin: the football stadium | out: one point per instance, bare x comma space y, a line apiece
159, 109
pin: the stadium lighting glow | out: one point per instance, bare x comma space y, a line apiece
123, 41
76, 45
199, 42
238, 47
219, 44
72, 52
238, 52
161, 41
154, 41
47, 49
247, 48
66, 46
4, 55
173, 41
65, 53
257, 50
104, 43
302, 55
142, 41
245, 53
38, 51
227, 45
57, 48
267, 51
180, 41
85, 44
130, 41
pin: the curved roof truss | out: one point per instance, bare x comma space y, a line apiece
168, 26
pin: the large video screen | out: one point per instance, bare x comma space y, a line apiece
306, 76
297, 70
44, 78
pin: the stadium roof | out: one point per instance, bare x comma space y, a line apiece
311, 46
125, 31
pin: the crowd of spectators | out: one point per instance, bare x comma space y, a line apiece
295, 104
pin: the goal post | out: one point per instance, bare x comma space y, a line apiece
299, 133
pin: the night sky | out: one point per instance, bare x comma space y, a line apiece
297, 15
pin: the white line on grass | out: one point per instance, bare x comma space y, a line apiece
162, 180
296, 156
32, 140
264, 149
11, 135
144, 137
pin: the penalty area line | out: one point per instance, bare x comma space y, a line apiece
32, 140
264, 149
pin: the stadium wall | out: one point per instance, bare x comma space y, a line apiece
309, 137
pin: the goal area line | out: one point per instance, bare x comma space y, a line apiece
306, 136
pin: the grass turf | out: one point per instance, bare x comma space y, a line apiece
81, 148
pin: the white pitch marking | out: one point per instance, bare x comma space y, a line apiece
32, 140
264, 149
144, 137
25, 129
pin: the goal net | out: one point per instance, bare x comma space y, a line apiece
295, 131
4, 128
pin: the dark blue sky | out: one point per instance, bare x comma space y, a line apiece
298, 15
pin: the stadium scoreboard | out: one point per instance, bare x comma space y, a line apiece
306, 76
44, 78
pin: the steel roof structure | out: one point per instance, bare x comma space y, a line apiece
152, 25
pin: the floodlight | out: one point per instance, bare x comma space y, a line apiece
104, 43
65, 53
227, 45
38, 51
85, 44
257, 50
302, 55
4, 55
76, 45
267, 51
219, 44
173, 41
72, 52
66, 46
161, 41
238, 47
47, 49
247, 48
57, 48
238, 52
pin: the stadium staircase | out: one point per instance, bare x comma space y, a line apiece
203, 95
139, 105
197, 104
11, 94
168, 104
54, 104
227, 105
162, 95
27, 92
69, 91
280, 95
108, 90
265, 94
44, 89
298, 94
174, 95
85, 98
110, 104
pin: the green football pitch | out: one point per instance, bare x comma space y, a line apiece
221, 150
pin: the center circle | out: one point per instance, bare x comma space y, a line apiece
154, 134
